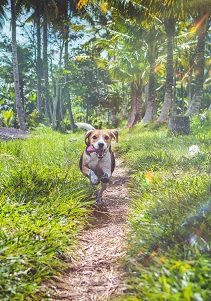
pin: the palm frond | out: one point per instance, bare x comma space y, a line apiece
3, 5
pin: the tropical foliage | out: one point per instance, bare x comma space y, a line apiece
156, 60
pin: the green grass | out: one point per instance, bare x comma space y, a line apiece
43, 205
170, 216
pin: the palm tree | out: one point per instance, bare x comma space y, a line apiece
36, 6
51, 9
168, 98
66, 59
150, 110
168, 12
45, 62
39, 60
61, 23
179, 10
19, 106
136, 103
202, 28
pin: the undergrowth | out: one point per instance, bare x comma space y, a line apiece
170, 239
43, 207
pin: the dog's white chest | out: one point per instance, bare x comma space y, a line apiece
99, 166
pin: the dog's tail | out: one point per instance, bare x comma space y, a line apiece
85, 126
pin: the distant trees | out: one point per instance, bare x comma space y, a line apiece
19, 106
88, 56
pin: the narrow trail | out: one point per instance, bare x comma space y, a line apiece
95, 272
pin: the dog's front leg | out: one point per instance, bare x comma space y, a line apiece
91, 175
105, 178
100, 192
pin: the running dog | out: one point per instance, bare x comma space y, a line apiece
97, 161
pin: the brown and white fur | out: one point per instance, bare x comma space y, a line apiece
97, 161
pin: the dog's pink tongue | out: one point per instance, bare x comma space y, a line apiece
91, 149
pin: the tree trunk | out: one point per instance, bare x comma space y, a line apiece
179, 125
45, 66
112, 119
19, 107
72, 123
61, 112
168, 98
137, 104
66, 90
22, 93
195, 104
190, 85
55, 105
87, 113
150, 104
39, 64
67, 98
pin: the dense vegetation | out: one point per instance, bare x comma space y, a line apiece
44, 203
169, 241
103, 61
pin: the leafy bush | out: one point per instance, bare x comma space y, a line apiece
6, 117
43, 206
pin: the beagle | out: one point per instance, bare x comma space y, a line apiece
97, 161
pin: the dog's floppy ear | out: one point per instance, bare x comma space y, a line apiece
87, 136
114, 134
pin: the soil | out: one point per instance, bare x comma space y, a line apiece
95, 272
12, 133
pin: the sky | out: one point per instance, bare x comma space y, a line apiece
6, 30
24, 33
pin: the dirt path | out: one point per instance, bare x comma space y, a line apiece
12, 133
95, 272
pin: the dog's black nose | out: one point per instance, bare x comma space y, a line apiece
101, 144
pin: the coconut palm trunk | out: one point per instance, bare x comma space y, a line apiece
66, 90
150, 106
195, 104
56, 101
39, 63
137, 104
67, 98
47, 101
19, 107
168, 98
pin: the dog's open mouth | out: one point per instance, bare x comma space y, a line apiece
99, 151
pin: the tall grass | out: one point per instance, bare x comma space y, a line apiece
169, 242
43, 205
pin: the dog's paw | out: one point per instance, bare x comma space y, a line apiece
101, 207
105, 178
93, 178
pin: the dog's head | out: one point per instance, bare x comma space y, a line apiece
99, 140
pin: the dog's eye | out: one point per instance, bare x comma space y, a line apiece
106, 137
94, 137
